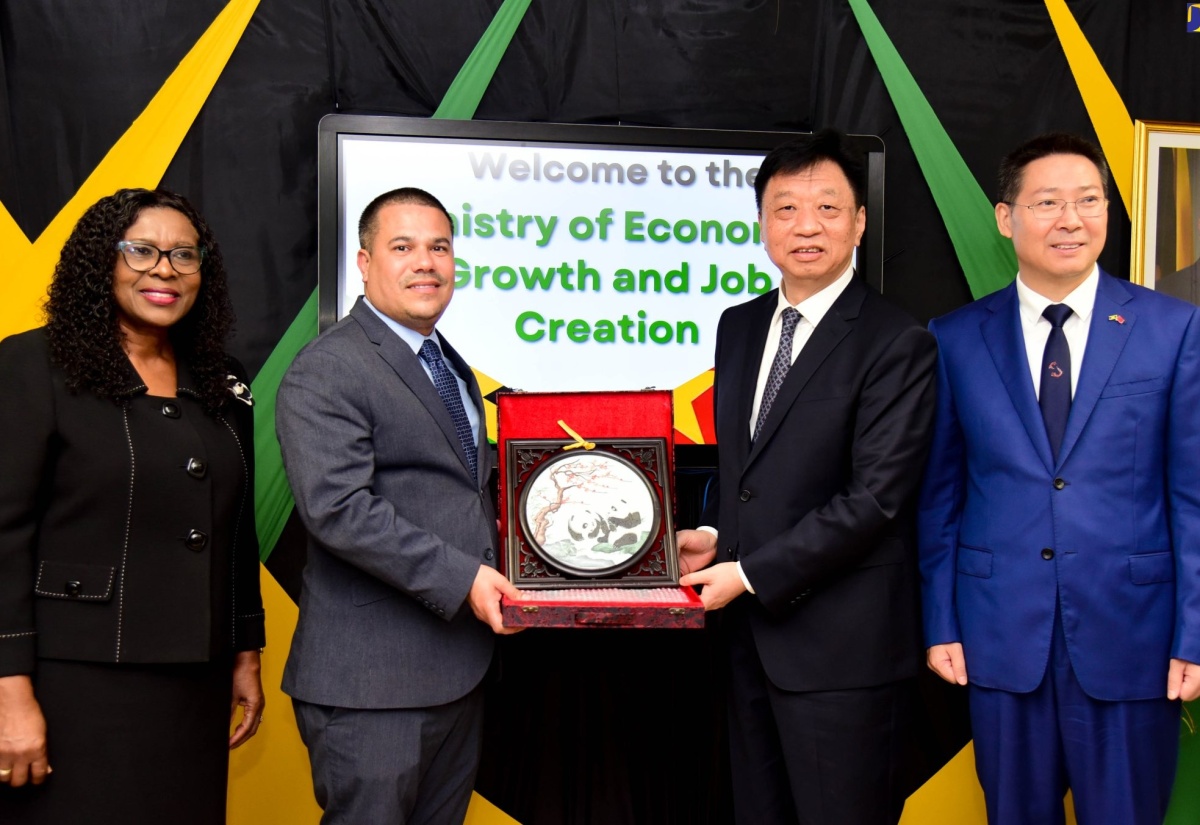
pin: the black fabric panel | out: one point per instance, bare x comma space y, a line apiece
77, 75
589, 726
249, 163
286, 562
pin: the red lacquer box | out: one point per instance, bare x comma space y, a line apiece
587, 511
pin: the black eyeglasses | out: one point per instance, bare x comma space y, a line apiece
1092, 206
142, 257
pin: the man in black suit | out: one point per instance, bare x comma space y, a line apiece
823, 400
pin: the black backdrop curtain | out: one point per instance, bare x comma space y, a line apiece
596, 727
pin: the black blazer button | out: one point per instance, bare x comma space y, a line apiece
488, 554
195, 540
1059, 484
197, 467
73, 589
1047, 553
745, 496
170, 409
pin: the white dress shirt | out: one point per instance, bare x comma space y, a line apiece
1036, 329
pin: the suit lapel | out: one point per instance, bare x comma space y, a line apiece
1006, 344
404, 362
1106, 340
835, 326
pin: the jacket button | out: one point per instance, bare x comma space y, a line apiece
1047, 554
488, 554
73, 589
195, 540
745, 496
1059, 484
196, 467
170, 409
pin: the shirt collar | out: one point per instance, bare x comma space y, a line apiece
409, 336
1081, 300
814, 307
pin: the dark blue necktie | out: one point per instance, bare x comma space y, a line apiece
779, 367
1054, 396
447, 388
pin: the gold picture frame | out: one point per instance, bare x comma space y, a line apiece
1166, 208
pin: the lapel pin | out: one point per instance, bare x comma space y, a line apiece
1118, 318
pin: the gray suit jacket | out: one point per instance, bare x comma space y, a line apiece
397, 527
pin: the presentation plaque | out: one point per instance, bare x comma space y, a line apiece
587, 511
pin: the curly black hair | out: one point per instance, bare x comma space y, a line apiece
81, 309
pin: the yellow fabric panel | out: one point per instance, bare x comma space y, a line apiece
1184, 228
1107, 111
685, 414
483, 812
953, 796
488, 384
139, 158
269, 780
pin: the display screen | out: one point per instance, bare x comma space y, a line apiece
586, 257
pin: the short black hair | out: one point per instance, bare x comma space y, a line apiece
1012, 169
368, 224
806, 152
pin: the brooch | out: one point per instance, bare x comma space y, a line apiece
240, 390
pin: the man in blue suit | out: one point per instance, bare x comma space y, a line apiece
1060, 515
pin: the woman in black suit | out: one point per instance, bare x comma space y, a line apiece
129, 600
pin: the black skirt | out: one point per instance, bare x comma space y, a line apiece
129, 745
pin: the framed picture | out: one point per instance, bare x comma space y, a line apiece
1166, 206
597, 517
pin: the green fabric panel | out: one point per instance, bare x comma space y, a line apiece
1185, 797
464, 94
272, 496
273, 500
986, 256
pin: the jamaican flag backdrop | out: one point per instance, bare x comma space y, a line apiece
219, 99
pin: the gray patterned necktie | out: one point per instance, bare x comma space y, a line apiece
779, 367
447, 388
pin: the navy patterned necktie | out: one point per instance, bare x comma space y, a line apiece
447, 388
779, 367
1054, 395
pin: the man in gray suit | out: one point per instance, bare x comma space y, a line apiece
381, 425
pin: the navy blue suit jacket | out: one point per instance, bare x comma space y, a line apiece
1111, 530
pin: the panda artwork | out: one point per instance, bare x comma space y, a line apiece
589, 513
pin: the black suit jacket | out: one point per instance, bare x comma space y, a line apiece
820, 507
97, 500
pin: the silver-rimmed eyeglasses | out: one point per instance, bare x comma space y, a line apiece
143, 257
1092, 206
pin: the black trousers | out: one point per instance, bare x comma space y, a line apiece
813, 758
